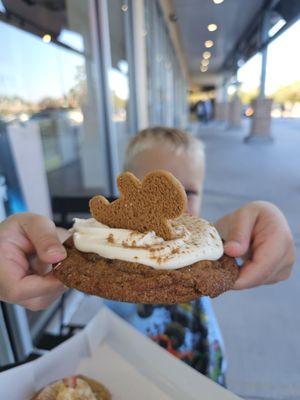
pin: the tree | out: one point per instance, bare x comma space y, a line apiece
289, 93
248, 97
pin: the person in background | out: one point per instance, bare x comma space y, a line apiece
201, 111
189, 331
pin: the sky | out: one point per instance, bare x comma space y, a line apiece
283, 63
33, 69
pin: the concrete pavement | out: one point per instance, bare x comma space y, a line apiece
261, 326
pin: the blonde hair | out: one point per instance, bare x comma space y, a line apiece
175, 139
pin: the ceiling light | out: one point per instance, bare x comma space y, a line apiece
218, 1
208, 43
205, 63
275, 28
206, 55
46, 38
124, 7
203, 69
212, 27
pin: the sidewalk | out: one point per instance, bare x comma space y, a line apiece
260, 326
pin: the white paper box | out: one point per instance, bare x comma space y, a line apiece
113, 352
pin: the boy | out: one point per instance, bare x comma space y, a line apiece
189, 331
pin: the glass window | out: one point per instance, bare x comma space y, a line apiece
52, 139
48, 82
167, 95
118, 74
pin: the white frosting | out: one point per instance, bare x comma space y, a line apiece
198, 240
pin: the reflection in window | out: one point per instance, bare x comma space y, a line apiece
72, 39
118, 83
119, 72
43, 83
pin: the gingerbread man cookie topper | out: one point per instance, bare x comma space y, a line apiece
145, 205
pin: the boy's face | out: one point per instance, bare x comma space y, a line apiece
188, 169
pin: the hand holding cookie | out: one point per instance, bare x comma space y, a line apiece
259, 233
29, 243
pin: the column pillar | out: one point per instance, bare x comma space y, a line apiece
221, 104
235, 112
261, 121
140, 63
221, 111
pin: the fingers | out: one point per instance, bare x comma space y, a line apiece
284, 269
251, 274
268, 266
37, 266
23, 276
259, 233
237, 230
32, 286
41, 231
39, 303
259, 269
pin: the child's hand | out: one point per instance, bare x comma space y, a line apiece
259, 233
28, 244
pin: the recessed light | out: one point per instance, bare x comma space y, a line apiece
208, 43
212, 27
206, 55
218, 1
205, 63
203, 69
46, 38
124, 7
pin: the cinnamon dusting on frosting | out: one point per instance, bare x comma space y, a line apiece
133, 245
110, 238
175, 250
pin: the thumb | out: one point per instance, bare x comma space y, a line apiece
239, 232
41, 231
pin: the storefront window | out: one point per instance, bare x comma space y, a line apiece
166, 84
48, 88
52, 141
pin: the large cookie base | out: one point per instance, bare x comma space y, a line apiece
98, 389
135, 283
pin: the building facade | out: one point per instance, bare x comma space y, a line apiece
77, 80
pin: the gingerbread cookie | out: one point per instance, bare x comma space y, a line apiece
142, 248
143, 206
